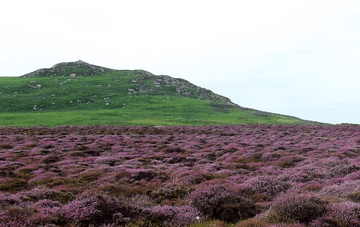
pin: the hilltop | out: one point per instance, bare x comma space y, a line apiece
79, 93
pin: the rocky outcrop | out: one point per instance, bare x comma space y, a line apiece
72, 69
149, 83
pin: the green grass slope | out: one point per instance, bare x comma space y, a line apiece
78, 93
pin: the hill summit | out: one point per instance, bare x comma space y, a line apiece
145, 82
76, 68
87, 94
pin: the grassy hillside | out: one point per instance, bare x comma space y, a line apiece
77, 93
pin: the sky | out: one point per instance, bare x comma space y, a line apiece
293, 57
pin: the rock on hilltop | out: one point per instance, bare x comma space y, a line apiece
182, 87
145, 82
77, 68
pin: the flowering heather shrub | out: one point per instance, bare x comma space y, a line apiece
120, 190
326, 221
353, 176
118, 219
335, 180
289, 162
173, 150
132, 175
7, 220
264, 184
10, 165
300, 177
242, 158
347, 213
138, 200
220, 203
83, 211
90, 175
50, 159
9, 200
170, 192
250, 223
172, 216
313, 186
46, 205
355, 197
269, 156
292, 208
186, 176
107, 161
286, 225
340, 190
214, 167
6, 146
238, 179
13, 185
48, 212
344, 169
272, 170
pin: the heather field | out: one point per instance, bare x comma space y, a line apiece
243, 176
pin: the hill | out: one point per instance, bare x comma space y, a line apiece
79, 93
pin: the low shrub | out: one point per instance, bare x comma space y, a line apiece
86, 211
326, 222
90, 176
50, 159
343, 170
293, 207
173, 150
347, 213
256, 157
170, 192
6, 146
211, 176
107, 161
44, 152
48, 211
14, 185
7, 220
118, 190
313, 186
219, 203
260, 197
269, 156
355, 197
132, 175
267, 185
172, 216
252, 223
289, 162
216, 223
86, 153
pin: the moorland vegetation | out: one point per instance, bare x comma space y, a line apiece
243, 176
135, 149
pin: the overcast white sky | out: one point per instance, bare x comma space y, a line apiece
294, 57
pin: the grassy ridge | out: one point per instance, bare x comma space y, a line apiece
53, 99
131, 116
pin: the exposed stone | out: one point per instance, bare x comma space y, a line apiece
182, 87
130, 91
38, 86
61, 69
